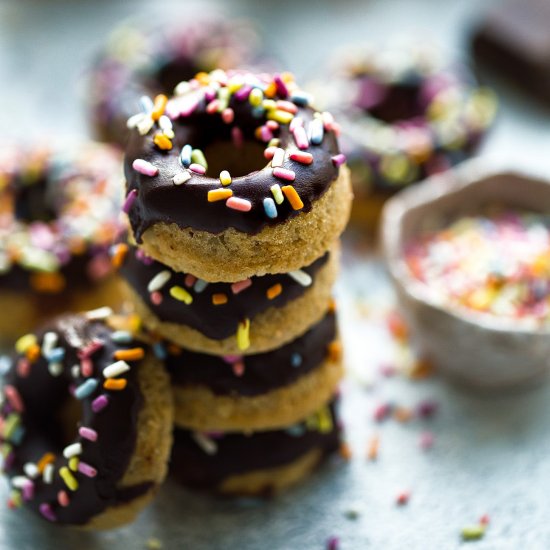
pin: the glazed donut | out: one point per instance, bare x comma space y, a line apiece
258, 464
257, 392
200, 196
81, 372
252, 316
59, 215
404, 117
142, 61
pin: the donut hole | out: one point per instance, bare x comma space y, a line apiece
33, 202
238, 161
69, 417
171, 73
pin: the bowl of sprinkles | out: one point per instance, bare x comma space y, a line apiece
469, 255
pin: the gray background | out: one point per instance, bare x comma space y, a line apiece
491, 453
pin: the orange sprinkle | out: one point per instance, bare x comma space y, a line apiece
133, 354
174, 349
421, 369
345, 451
48, 458
334, 350
158, 106
219, 299
271, 90
332, 306
402, 414
162, 142
293, 198
203, 78
274, 291
219, 194
33, 353
397, 326
115, 384
373, 448
48, 283
119, 253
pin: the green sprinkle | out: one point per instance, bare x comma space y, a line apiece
473, 532
198, 157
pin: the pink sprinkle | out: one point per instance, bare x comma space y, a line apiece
403, 498
23, 367
46, 510
87, 433
284, 174
197, 168
337, 129
228, 115
99, 267
213, 107
287, 106
265, 133
296, 122
426, 440
209, 94
485, 519
427, 408
188, 106
301, 157
339, 159
86, 469
269, 152
232, 358
143, 258
328, 121
242, 93
129, 202
242, 205
382, 411
300, 137
14, 398
272, 125
238, 368
63, 498
99, 403
190, 280
144, 167
237, 136
90, 349
240, 286
28, 490
333, 543
156, 298
281, 88
86, 367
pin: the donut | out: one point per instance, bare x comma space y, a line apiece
200, 196
251, 316
141, 59
256, 392
86, 421
404, 115
59, 215
260, 464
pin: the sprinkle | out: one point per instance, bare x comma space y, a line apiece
185, 155
197, 156
68, 478
473, 532
25, 342
382, 411
278, 157
302, 157
333, 543
270, 208
373, 448
225, 177
213, 106
133, 354
274, 291
166, 125
144, 167
162, 142
316, 131
159, 106
179, 293
86, 389
48, 343
120, 367
280, 86
99, 403
295, 360
277, 193
282, 117
189, 280
145, 125
338, 160
403, 498
301, 277
47, 475
238, 368
63, 499
300, 98
86, 469
14, 397
146, 104
72, 450
118, 254
293, 198
300, 137
256, 97
200, 285
269, 152
287, 106
11, 425
31, 470
345, 452
130, 200
243, 335
87, 433
197, 168
73, 463
296, 122
219, 299
208, 445
228, 115
284, 174
99, 314
240, 286
219, 194
237, 136
159, 280
242, 205
46, 459
115, 384
46, 510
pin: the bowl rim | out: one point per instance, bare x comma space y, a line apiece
458, 181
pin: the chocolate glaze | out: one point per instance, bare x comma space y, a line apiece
44, 397
238, 453
262, 372
160, 201
214, 321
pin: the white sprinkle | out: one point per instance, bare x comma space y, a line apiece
121, 337
169, 133
165, 123
47, 474
134, 120
31, 470
48, 343
278, 158
55, 368
99, 314
207, 444
182, 88
180, 178
116, 369
19, 481
158, 281
145, 125
75, 371
301, 277
72, 450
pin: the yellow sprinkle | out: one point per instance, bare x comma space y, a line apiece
181, 294
68, 478
219, 194
25, 342
293, 198
243, 335
158, 106
274, 291
282, 117
73, 463
256, 97
219, 299
203, 77
162, 142
234, 84
115, 384
277, 193
269, 104
225, 177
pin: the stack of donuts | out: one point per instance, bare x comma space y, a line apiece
236, 196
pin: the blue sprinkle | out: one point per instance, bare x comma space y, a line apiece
316, 131
295, 360
56, 355
122, 337
146, 103
296, 431
200, 285
160, 351
258, 112
185, 155
300, 98
17, 435
270, 208
5, 364
86, 389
